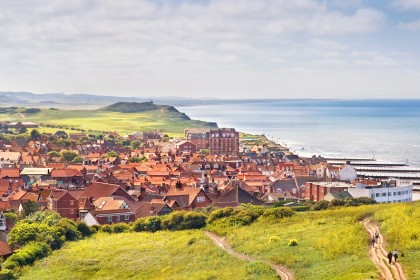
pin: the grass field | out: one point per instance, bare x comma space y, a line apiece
161, 255
332, 244
167, 121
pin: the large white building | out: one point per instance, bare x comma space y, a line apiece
388, 192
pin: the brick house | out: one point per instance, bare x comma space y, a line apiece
186, 147
199, 137
317, 191
63, 203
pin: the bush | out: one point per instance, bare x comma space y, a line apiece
27, 255
120, 227
278, 213
105, 228
139, 225
84, 229
183, 220
320, 205
69, 228
152, 224
293, 242
7, 274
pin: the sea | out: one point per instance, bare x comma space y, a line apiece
387, 130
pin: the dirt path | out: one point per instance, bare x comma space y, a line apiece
378, 255
222, 243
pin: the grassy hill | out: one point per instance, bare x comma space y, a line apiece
332, 244
161, 255
165, 118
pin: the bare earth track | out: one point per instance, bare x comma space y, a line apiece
378, 255
222, 243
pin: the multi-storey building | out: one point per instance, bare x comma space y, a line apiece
224, 141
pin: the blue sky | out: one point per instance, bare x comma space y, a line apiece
212, 48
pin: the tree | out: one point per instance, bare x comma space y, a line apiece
112, 154
68, 155
53, 154
78, 160
23, 130
35, 134
135, 144
30, 207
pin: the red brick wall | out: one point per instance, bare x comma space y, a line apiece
65, 208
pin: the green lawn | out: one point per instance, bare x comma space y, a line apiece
161, 255
167, 121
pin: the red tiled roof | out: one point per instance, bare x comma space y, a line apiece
11, 173
61, 173
5, 249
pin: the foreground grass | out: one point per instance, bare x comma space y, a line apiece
167, 121
331, 244
161, 255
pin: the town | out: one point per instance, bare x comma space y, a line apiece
114, 178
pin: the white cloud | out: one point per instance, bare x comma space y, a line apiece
407, 4
203, 48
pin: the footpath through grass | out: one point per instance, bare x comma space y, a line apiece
160, 255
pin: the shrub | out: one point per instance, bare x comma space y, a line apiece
120, 227
27, 255
152, 224
70, 229
139, 225
84, 229
184, 220
320, 205
278, 213
7, 274
105, 228
293, 242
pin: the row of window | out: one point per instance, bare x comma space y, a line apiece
392, 194
118, 218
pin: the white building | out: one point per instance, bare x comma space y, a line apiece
389, 191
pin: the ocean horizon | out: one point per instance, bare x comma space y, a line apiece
387, 130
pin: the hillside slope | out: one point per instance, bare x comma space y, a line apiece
161, 255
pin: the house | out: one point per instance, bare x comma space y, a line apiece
64, 204
156, 207
5, 250
109, 210
98, 189
235, 196
61, 134
186, 147
67, 176
317, 191
187, 198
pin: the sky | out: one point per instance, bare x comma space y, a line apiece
212, 48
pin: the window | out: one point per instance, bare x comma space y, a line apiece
109, 218
383, 194
201, 199
126, 217
72, 202
72, 211
118, 218
377, 194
